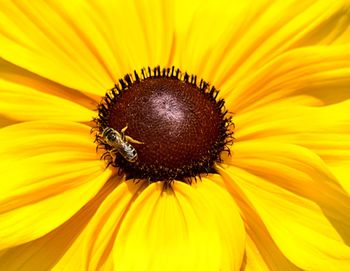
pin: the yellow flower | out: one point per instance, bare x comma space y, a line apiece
279, 202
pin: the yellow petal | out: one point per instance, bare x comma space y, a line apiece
323, 129
104, 226
298, 226
341, 170
282, 26
300, 171
85, 45
261, 250
288, 121
148, 38
319, 71
226, 41
119, 207
23, 103
342, 24
200, 27
17, 75
254, 260
304, 209
61, 249
4, 121
191, 228
84, 241
49, 171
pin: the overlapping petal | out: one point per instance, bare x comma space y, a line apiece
62, 248
25, 104
154, 230
192, 228
318, 71
13, 74
322, 129
165, 229
227, 42
295, 195
259, 241
255, 262
59, 175
89, 51
105, 225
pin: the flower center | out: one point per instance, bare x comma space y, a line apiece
163, 125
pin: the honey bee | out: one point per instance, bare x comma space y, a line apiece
121, 143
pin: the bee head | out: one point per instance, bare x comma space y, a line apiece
109, 134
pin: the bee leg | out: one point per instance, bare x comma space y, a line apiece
110, 162
123, 131
105, 156
131, 140
113, 153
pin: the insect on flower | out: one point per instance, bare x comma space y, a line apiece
120, 143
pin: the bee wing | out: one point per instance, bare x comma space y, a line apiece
127, 151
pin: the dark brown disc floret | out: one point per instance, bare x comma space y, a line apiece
172, 120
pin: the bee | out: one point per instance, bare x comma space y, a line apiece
121, 143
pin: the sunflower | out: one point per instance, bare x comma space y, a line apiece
277, 199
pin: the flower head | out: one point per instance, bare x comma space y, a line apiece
278, 200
